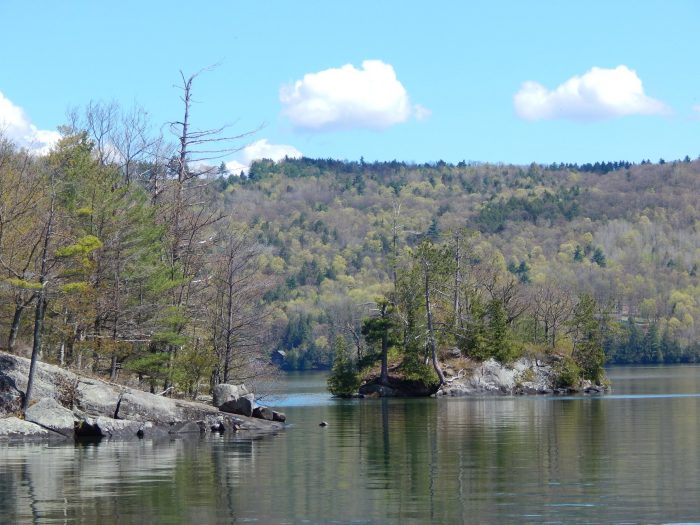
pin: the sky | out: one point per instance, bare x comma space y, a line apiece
489, 81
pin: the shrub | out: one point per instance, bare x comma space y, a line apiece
568, 374
344, 380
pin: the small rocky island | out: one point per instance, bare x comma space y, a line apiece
524, 376
70, 406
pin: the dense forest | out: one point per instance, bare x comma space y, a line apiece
625, 234
132, 257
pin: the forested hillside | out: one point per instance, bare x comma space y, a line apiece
335, 231
134, 258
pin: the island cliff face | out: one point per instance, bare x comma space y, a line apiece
69, 406
524, 376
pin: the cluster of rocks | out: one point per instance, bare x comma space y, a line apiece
69, 406
236, 399
526, 376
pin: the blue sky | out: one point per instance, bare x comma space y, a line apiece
517, 81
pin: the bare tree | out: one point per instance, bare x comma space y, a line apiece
239, 326
552, 306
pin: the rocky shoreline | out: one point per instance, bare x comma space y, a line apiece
69, 406
525, 376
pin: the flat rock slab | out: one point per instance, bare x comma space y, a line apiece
48, 413
105, 427
147, 407
96, 398
15, 429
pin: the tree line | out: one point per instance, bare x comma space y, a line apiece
113, 259
628, 239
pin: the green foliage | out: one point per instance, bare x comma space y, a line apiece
497, 335
153, 365
568, 374
78, 287
344, 380
23, 283
588, 351
84, 246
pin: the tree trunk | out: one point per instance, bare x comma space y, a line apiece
431, 333
14, 328
384, 378
41, 299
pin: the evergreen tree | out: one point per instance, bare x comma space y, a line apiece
382, 329
588, 339
498, 337
344, 380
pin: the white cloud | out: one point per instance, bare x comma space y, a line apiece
17, 127
261, 149
597, 94
235, 167
346, 98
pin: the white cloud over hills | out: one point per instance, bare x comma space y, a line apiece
16, 126
596, 95
349, 98
261, 149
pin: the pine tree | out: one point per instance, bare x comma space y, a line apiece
588, 339
344, 380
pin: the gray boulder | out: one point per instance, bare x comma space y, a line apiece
48, 413
10, 397
244, 405
147, 407
224, 393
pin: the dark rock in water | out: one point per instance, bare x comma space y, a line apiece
48, 413
243, 406
263, 413
397, 388
323, 424
279, 416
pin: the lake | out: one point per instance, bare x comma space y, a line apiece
630, 457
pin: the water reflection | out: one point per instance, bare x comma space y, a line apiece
617, 459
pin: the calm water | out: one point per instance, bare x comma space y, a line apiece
628, 458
